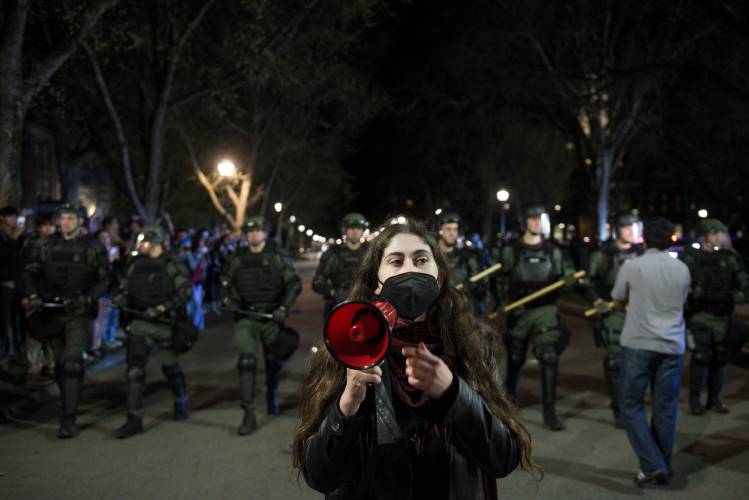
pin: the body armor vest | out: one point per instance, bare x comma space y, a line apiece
457, 265
258, 279
66, 270
615, 258
149, 283
346, 266
714, 275
532, 270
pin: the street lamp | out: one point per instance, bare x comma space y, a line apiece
278, 207
226, 169
502, 196
702, 213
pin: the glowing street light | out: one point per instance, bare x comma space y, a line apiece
301, 228
502, 196
309, 232
702, 213
226, 169
278, 207
292, 219
557, 207
438, 211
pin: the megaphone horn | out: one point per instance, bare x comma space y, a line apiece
357, 334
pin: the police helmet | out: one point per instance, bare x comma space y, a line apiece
536, 210
67, 208
353, 219
152, 233
625, 219
707, 226
256, 223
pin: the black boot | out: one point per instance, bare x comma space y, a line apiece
176, 378
512, 380
697, 376
549, 396
611, 375
273, 369
133, 426
70, 393
247, 374
716, 379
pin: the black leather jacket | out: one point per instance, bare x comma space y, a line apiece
338, 459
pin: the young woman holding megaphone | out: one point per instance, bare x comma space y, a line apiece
405, 403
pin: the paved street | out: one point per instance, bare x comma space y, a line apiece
204, 458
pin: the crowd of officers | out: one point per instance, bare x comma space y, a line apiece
62, 276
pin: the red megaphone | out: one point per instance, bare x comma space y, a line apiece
357, 333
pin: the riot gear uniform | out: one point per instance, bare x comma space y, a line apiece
259, 282
603, 267
526, 269
462, 263
71, 273
153, 292
718, 281
338, 265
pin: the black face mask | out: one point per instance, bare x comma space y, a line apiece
412, 294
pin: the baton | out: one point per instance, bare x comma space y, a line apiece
251, 314
483, 274
539, 293
594, 310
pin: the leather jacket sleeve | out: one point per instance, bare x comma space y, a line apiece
331, 456
479, 435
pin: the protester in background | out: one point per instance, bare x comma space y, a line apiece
654, 288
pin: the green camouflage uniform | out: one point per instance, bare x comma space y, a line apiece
263, 282
718, 281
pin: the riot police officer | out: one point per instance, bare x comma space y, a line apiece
152, 293
258, 281
530, 263
603, 266
63, 278
718, 282
338, 265
463, 263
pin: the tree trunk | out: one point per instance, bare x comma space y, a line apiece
605, 163
12, 112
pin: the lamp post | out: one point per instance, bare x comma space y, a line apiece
278, 207
502, 196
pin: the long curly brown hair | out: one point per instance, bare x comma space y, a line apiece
464, 339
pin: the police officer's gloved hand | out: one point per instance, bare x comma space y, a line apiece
602, 306
570, 280
279, 315
151, 313
34, 303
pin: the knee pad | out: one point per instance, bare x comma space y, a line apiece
547, 355
73, 367
135, 374
611, 362
137, 351
247, 362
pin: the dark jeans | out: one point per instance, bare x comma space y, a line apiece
654, 443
